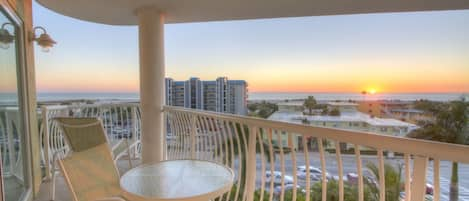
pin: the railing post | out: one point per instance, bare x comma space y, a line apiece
45, 138
133, 121
417, 191
193, 135
251, 164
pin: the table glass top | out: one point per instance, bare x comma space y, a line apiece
176, 179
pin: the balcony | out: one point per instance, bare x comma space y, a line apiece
271, 158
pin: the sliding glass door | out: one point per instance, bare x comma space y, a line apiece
12, 135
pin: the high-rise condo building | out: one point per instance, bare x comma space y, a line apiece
220, 95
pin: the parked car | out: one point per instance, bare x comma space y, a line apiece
353, 178
313, 170
429, 189
277, 178
278, 189
312, 177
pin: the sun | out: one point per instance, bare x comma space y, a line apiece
372, 91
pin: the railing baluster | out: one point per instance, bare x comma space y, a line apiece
323, 170
176, 135
173, 136
214, 139
282, 165
436, 180
261, 144
245, 143
206, 138
193, 135
407, 176
293, 157
382, 186
359, 172
240, 155
308, 172
133, 123
230, 154
46, 142
340, 169
251, 164
272, 164
185, 129
419, 178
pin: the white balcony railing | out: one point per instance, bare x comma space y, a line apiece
256, 148
249, 145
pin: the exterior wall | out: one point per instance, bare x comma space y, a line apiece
237, 97
178, 94
221, 90
412, 117
381, 109
210, 95
343, 108
169, 85
221, 95
370, 107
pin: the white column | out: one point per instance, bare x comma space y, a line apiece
152, 74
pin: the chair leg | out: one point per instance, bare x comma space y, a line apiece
52, 183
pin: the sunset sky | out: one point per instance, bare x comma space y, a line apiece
396, 52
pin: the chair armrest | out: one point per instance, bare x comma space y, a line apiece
115, 146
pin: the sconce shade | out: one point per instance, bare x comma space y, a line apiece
44, 40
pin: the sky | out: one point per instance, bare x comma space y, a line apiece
390, 53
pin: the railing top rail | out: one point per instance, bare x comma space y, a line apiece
438, 150
62, 107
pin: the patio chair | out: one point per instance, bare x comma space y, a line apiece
89, 169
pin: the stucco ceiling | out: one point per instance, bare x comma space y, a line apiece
122, 12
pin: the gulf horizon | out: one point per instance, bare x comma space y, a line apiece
274, 96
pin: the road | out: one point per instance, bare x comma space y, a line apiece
349, 165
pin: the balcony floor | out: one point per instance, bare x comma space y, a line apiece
62, 193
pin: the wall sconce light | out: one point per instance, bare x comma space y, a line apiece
5, 36
44, 40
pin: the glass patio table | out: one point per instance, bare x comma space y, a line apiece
186, 180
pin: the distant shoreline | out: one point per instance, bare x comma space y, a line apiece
267, 96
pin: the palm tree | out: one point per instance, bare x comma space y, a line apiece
451, 120
239, 139
392, 181
310, 103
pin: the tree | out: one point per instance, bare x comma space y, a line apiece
332, 193
451, 120
310, 103
325, 111
392, 181
237, 141
334, 112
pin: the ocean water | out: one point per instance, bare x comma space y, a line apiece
270, 96
359, 96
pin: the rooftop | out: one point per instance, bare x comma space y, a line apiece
408, 111
342, 104
297, 117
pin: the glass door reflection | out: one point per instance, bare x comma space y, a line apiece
11, 116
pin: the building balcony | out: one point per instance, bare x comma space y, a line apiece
271, 158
